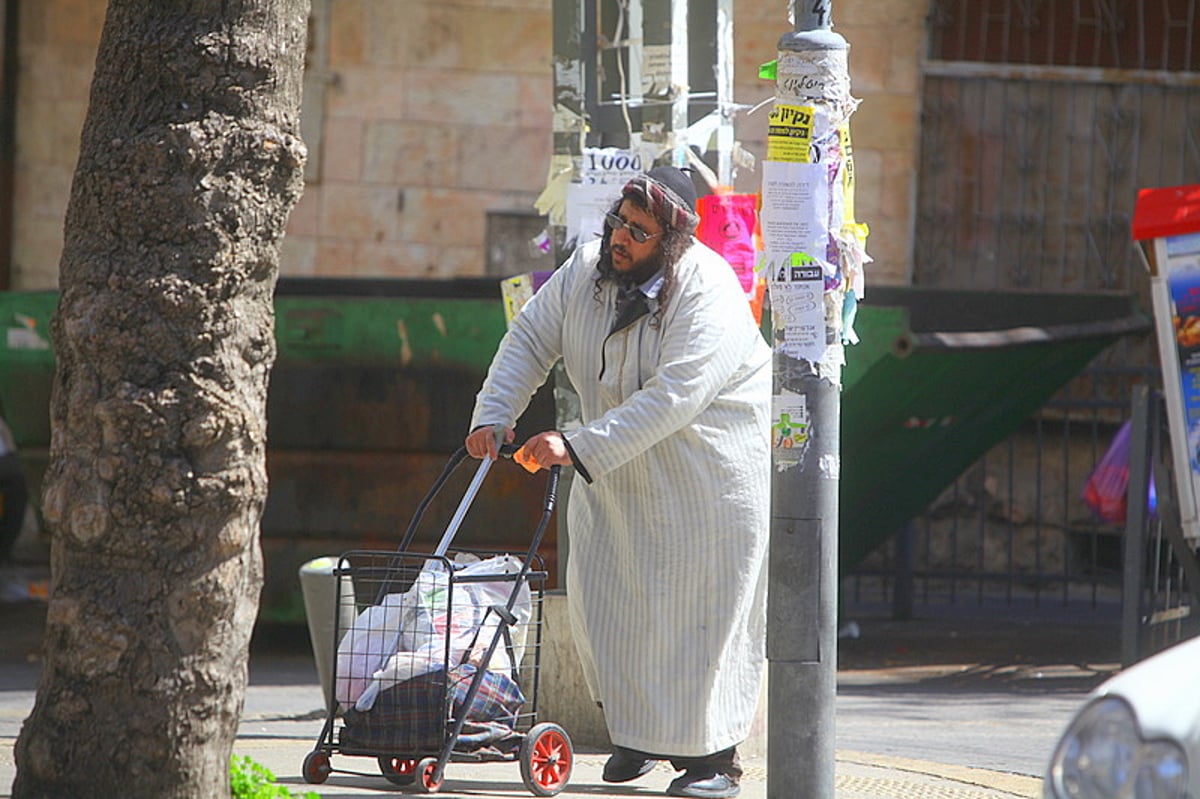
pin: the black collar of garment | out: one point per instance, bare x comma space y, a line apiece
631, 306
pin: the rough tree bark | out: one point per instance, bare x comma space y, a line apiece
190, 162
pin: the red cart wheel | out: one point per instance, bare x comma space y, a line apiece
546, 759
397, 770
426, 768
316, 767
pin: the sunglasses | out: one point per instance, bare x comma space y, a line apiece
636, 233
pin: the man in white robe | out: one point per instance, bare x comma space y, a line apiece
668, 517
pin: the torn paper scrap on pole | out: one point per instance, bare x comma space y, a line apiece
821, 75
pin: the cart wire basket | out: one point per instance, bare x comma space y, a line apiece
438, 657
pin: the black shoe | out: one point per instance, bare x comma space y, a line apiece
625, 765
704, 785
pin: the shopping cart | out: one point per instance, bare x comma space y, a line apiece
442, 659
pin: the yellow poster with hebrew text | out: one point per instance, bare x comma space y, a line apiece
790, 133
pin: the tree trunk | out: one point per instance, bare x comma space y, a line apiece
190, 162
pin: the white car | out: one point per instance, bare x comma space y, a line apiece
1138, 736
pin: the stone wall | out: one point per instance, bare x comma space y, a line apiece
434, 113
57, 51
424, 116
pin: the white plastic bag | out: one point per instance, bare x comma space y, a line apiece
405, 636
466, 615
366, 645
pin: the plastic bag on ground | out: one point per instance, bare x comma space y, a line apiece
1106, 492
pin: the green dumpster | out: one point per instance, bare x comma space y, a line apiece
371, 392
375, 379
939, 378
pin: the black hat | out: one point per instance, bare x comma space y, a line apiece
678, 181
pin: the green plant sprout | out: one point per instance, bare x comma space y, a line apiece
251, 780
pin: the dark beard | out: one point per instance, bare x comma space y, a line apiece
643, 271
640, 274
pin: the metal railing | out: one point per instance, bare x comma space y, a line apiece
1013, 535
1013, 532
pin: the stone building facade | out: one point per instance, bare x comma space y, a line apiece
422, 117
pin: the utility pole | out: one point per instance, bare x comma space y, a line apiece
813, 258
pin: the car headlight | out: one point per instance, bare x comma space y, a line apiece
1103, 756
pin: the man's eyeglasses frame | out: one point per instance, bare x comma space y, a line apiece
615, 222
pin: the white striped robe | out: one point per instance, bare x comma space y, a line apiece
666, 581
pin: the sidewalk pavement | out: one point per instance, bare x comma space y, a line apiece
281, 740
281, 746
858, 775
283, 718
279, 729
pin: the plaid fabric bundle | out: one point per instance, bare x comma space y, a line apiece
498, 697
493, 713
415, 715
411, 716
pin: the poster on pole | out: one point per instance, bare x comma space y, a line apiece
790, 432
795, 209
790, 134
797, 285
795, 231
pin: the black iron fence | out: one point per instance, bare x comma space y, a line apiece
1013, 531
1015, 535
